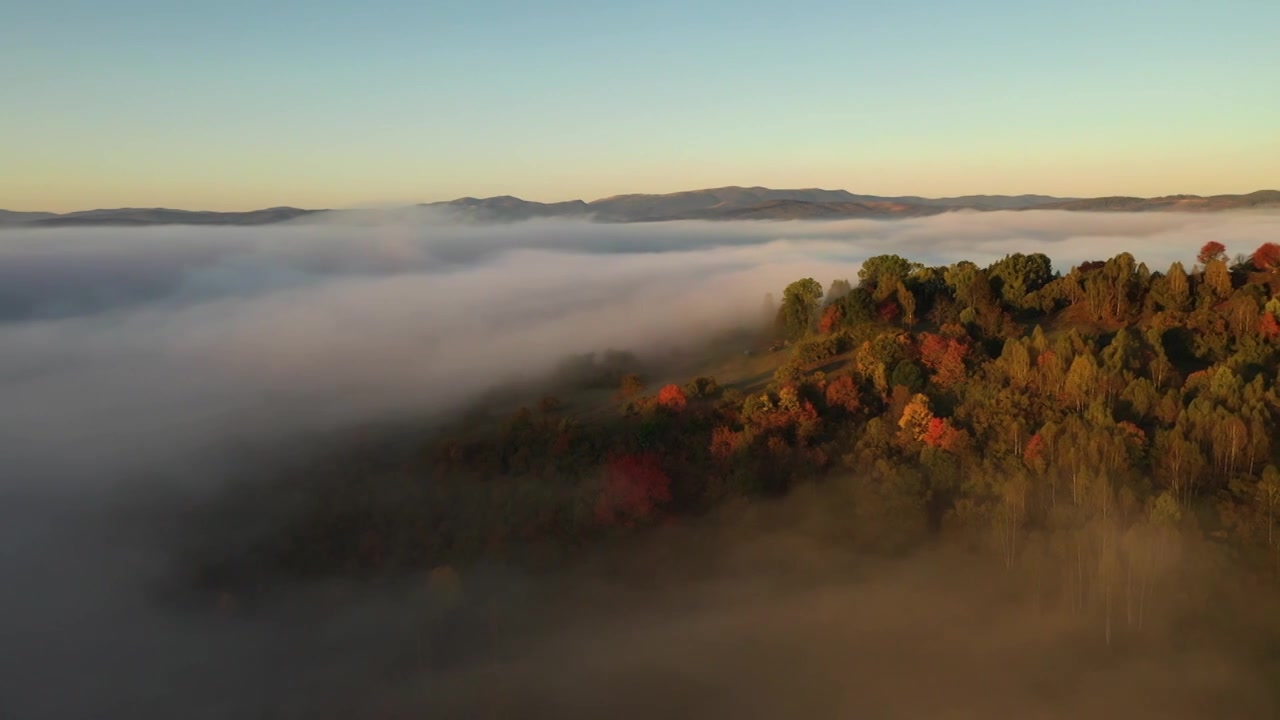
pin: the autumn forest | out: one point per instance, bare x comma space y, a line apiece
1090, 421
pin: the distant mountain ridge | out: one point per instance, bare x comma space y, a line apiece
153, 216
1176, 203
506, 208
726, 203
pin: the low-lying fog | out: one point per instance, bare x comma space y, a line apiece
138, 366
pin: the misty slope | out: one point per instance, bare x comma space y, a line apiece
506, 208
765, 203
9, 217
695, 203
983, 202
801, 210
161, 216
1178, 203
758, 203
726, 203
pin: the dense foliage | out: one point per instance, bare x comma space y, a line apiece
1091, 415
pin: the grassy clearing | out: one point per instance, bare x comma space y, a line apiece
738, 360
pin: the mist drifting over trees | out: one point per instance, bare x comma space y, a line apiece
1017, 463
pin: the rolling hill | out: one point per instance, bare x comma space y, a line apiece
152, 216
726, 203
1175, 203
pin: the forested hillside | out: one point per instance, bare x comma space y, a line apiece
1088, 420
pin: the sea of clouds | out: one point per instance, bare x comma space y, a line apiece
132, 358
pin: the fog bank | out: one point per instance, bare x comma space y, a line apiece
139, 366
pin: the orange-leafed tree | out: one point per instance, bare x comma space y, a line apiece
831, 320
725, 442
945, 357
889, 310
1133, 436
842, 393
672, 398
1268, 326
1210, 251
916, 417
1266, 257
1033, 453
634, 487
941, 434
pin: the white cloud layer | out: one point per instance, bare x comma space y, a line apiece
142, 354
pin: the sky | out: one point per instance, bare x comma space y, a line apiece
237, 105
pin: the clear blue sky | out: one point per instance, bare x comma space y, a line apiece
234, 104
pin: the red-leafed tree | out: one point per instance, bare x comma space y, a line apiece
831, 319
1133, 436
725, 442
672, 398
1034, 450
888, 310
1212, 250
945, 357
790, 417
932, 347
941, 434
634, 487
1266, 257
1268, 326
843, 393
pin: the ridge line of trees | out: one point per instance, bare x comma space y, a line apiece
1099, 417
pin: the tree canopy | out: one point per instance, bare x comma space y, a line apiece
1106, 408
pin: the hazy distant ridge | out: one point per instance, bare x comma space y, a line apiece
162, 216
727, 203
